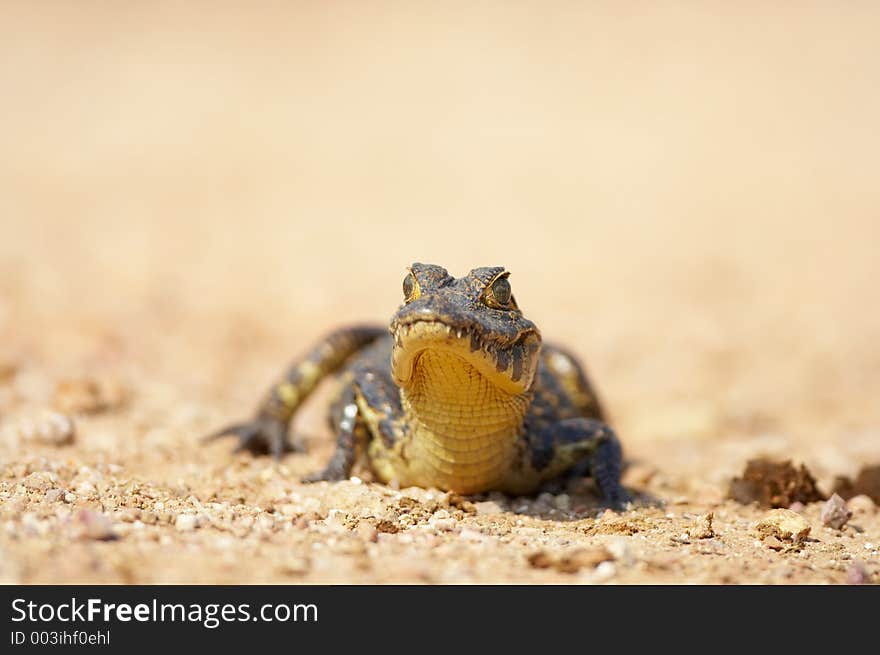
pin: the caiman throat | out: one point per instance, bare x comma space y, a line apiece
465, 396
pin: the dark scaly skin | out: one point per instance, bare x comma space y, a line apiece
461, 395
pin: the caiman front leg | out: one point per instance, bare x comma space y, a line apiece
575, 442
351, 434
266, 432
365, 417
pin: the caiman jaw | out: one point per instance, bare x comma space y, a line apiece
465, 401
509, 367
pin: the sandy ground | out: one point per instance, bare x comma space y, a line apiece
686, 196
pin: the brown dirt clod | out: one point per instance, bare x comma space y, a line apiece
774, 484
387, 527
571, 561
88, 395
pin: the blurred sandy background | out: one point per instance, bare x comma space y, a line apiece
687, 195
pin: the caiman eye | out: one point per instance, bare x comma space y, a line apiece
498, 295
411, 289
501, 290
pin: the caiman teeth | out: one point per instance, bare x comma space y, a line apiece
478, 342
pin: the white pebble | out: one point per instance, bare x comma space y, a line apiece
336, 518
186, 522
605, 571
51, 428
446, 525
473, 535
619, 548
265, 523
85, 488
39, 481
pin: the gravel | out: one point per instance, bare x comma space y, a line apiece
835, 513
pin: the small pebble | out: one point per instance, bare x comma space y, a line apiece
446, 525
367, 532
620, 550
783, 524
605, 571
469, 534
288, 509
85, 488
488, 508
33, 526
571, 561
265, 523
861, 504
39, 481
294, 565
17, 505
336, 519
857, 573
562, 502
93, 525
88, 395
584, 558
702, 528
835, 513
49, 428
545, 498
186, 522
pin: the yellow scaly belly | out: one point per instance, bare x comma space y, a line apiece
463, 430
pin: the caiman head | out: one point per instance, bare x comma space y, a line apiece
471, 325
